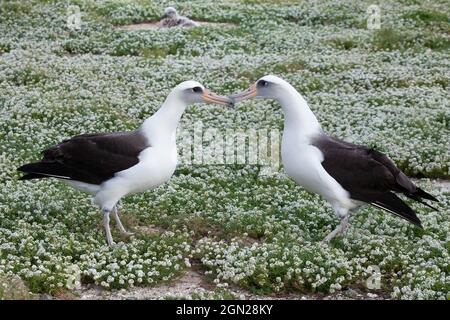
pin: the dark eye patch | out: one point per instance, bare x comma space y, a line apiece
197, 89
263, 83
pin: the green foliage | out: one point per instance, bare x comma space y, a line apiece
385, 88
426, 16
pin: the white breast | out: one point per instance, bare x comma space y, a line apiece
302, 163
156, 166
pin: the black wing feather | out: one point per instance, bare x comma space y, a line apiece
392, 203
370, 176
90, 158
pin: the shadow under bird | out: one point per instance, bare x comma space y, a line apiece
112, 165
345, 174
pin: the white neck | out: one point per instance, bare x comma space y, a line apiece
297, 114
162, 126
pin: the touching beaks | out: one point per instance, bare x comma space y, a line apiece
211, 97
247, 94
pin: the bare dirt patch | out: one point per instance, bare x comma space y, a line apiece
443, 184
183, 287
194, 281
155, 25
150, 230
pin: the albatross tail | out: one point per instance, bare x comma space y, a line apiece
30, 176
422, 194
390, 202
39, 170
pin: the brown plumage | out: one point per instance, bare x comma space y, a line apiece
370, 176
89, 158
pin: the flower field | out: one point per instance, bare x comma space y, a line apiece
387, 88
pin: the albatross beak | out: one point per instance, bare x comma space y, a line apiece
211, 97
247, 94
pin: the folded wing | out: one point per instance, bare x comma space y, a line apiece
370, 176
89, 158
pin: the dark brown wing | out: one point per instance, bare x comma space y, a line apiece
90, 158
369, 176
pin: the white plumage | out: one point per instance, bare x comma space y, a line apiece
345, 174
172, 19
111, 166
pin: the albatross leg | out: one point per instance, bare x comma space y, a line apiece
340, 229
119, 223
109, 238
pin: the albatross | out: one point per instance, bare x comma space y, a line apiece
345, 174
110, 166
172, 19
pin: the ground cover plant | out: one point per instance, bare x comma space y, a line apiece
386, 88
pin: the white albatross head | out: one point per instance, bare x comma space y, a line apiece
271, 87
170, 12
295, 107
194, 92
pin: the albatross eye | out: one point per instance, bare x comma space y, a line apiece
197, 89
263, 83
